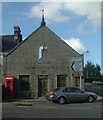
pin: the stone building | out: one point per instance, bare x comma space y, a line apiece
41, 62
7, 43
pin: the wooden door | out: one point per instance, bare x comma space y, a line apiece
42, 85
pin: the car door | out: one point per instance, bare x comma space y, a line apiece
74, 95
69, 94
78, 95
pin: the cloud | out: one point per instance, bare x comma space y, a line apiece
76, 44
54, 11
92, 10
84, 30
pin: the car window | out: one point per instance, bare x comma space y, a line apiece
75, 90
66, 90
56, 89
72, 90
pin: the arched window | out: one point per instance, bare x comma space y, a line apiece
42, 51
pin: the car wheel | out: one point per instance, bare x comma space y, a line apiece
61, 100
90, 99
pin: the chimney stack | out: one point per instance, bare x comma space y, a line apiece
17, 35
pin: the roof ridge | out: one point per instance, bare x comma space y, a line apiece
35, 32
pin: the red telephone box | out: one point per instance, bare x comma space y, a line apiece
9, 87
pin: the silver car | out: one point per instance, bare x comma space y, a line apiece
70, 94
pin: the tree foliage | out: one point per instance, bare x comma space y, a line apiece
92, 71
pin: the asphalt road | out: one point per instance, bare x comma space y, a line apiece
53, 110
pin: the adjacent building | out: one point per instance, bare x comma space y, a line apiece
7, 43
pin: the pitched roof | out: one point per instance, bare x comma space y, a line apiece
47, 29
7, 43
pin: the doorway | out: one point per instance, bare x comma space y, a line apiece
42, 85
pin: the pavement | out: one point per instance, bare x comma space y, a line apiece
23, 102
100, 98
29, 102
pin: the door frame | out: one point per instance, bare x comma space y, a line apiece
40, 81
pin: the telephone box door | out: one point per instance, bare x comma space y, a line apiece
9, 87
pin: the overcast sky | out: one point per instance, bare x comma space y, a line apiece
77, 23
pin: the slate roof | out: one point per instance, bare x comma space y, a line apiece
7, 43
